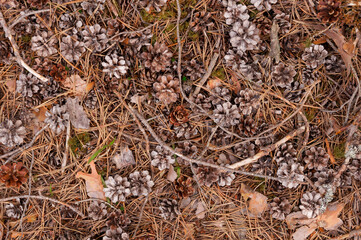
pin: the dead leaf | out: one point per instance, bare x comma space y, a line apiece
329, 219
137, 99
302, 233
348, 47
172, 175
275, 43
257, 202
29, 218
201, 210
321, 40
77, 85
124, 159
184, 202
11, 84
40, 113
77, 114
213, 83
93, 181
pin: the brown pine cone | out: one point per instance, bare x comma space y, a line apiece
179, 116
117, 219
184, 186
201, 21
13, 175
58, 72
329, 10
207, 175
282, 75
316, 158
37, 3
311, 204
157, 58
247, 126
167, 89
285, 153
280, 208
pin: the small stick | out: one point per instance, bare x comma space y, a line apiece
65, 157
332, 159
268, 149
44, 198
20, 61
25, 15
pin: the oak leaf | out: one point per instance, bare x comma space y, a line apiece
256, 202
77, 85
93, 181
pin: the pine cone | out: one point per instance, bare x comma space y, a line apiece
353, 170
314, 56
263, 141
263, 166
220, 95
280, 208
226, 114
58, 72
323, 177
309, 76
187, 149
221, 138
235, 12
50, 89
245, 150
162, 158
12, 211
118, 219
117, 188
179, 115
113, 27
310, 204
184, 186
37, 3
295, 92
247, 126
315, 132
91, 100
192, 70
283, 22
139, 39
57, 118
207, 175
334, 64
97, 211
150, 5
68, 21
12, 134
244, 36
282, 75
115, 66
201, 21
157, 58
28, 85
116, 234
248, 101
263, 4
292, 171
329, 10
236, 60
44, 43
290, 44
90, 6
316, 158
167, 89
53, 159
169, 209
186, 130
264, 24
140, 183
71, 48
285, 153
225, 178
95, 37
203, 101
13, 175
5, 51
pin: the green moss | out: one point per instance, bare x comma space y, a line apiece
339, 151
26, 38
194, 36
308, 43
219, 73
310, 113
77, 143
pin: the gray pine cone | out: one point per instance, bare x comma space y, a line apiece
235, 60
5, 51
115, 65
309, 76
140, 183
314, 56
203, 101
263, 4
187, 149
12, 134
285, 153
118, 219
186, 130
207, 175
192, 70
149, 5
117, 188
245, 150
316, 158
13, 211
167, 89
91, 100
68, 21
221, 138
28, 85
90, 6
57, 118
322, 178
282, 75
169, 209
225, 178
248, 101
280, 208
157, 58
97, 211
95, 37
263, 166
220, 95
116, 234
226, 114
334, 65
162, 158
292, 171
244, 36
353, 171
295, 92
49, 89
283, 22
43, 44
71, 48
310, 204
138, 40
235, 12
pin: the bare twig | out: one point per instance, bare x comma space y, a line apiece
65, 157
27, 14
268, 149
205, 77
19, 59
43, 198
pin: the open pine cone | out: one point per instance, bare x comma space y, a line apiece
201, 21
118, 219
140, 183
97, 210
310, 204
280, 208
179, 115
157, 58
282, 75
226, 114
184, 186
292, 171
162, 158
13, 174
329, 10
314, 56
12, 134
169, 209
248, 101
316, 158
207, 175
285, 153
167, 89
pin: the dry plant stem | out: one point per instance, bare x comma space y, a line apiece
268, 149
16, 151
20, 61
44, 198
205, 77
25, 15
349, 235
140, 217
65, 157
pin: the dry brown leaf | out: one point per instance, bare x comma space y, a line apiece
172, 175
40, 113
213, 83
125, 158
77, 85
257, 202
11, 84
93, 181
329, 219
201, 210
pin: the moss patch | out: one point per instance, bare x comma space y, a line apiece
219, 73
339, 151
77, 143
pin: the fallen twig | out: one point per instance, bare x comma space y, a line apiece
25, 15
19, 59
65, 157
